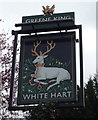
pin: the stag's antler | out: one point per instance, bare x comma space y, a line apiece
49, 49
35, 47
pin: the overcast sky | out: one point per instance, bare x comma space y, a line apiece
85, 14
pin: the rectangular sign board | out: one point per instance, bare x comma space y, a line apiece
47, 70
69, 17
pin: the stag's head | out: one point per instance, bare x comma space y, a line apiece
40, 57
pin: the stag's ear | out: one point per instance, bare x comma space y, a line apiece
45, 56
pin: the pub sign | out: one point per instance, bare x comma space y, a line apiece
47, 68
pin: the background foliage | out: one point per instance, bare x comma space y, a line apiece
90, 111
6, 54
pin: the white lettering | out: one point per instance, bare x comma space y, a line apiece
33, 96
44, 19
40, 19
33, 20
64, 94
63, 18
41, 95
53, 95
27, 21
37, 96
59, 95
68, 17
69, 93
26, 96
46, 95
47, 19
55, 18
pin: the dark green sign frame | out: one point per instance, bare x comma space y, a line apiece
77, 103
61, 60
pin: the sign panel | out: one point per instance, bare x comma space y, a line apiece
69, 17
47, 70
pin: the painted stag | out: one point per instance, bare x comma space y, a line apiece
42, 73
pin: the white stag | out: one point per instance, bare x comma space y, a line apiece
44, 73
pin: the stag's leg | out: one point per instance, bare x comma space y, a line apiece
53, 85
39, 80
59, 78
52, 81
